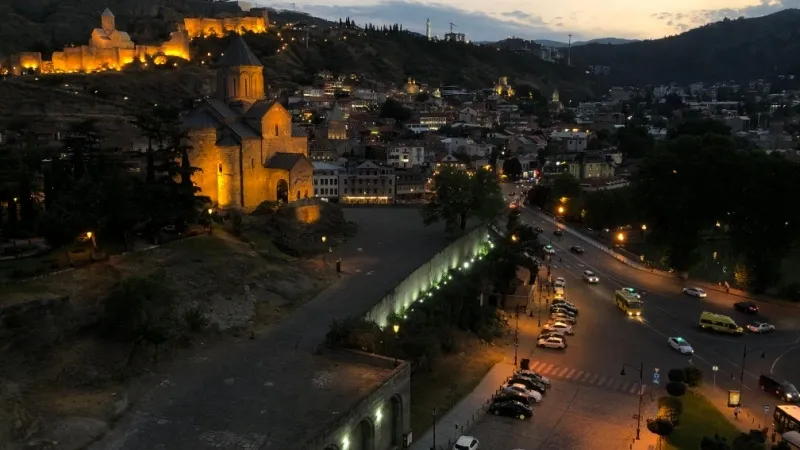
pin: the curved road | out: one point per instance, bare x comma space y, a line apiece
605, 338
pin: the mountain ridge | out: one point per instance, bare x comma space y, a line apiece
601, 41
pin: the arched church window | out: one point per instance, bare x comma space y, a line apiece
219, 168
276, 130
252, 163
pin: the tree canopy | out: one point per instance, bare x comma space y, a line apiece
460, 196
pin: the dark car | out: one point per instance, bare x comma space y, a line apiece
529, 383
746, 307
781, 389
558, 232
511, 397
539, 229
511, 409
576, 249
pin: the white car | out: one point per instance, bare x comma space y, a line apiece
761, 327
695, 292
560, 282
552, 342
549, 250
522, 389
590, 277
680, 344
558, 327
533, 375
467, 443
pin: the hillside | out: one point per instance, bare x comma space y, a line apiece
741, 49
608, 40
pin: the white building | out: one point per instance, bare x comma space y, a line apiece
455, 144
367, 183
326, 180
406, 156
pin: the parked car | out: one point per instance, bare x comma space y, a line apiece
577, 249
549, 250
761, 327
781, 389
563, 317
534, 375
511, 409
528, 383
466, 443
546, 334
514, 396
558, 232
559, 327
590, 277
563, 309
560, 282
746, 307
521, 389
680, 344
695, 292
539, 230
552, 342
564, 303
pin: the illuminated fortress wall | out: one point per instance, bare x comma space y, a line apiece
203, 27
111, 49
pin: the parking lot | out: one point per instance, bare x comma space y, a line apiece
571, 416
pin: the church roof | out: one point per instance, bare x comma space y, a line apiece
107, 13
284, 161
298, 131
200, 119
225, 111
239, 54
243, 131
259, 109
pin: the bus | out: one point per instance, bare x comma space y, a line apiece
786, 418
628, 302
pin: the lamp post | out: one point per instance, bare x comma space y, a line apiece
640, 369
746, 352
396, 328
434, 429
516, 335
324, 240
715, 369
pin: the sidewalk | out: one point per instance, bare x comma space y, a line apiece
751, 415
470, 409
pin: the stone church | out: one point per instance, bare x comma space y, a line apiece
247, 148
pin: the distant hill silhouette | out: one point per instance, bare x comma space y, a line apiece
609, 40
741, 49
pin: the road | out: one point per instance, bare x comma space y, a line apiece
606, 339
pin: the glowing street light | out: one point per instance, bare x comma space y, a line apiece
325, 239
396, 328
644, 227
514, 238
561, 210
621, 237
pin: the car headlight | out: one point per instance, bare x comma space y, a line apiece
638, 313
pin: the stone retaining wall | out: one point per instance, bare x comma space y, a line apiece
408, 290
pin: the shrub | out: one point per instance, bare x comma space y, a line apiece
676, 389
715, 443
195, 319
670, 415
355, 333
141, 308
676, 375
672, 403
660, 427
693, 376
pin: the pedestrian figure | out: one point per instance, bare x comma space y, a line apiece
736, 412
339, 266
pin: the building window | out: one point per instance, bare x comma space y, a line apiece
316, 181
276, 130
252, 163
316, 191
219, 168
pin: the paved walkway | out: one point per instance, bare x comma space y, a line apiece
468, 411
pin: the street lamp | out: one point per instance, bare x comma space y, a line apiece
396, 328
514, 238
621, 237
561, 210
641, 390
715, 369
746, 352
644, 227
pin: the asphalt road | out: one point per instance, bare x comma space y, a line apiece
606, 339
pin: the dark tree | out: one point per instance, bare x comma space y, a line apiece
512, 168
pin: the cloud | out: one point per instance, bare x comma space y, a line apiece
477, 26
683, 21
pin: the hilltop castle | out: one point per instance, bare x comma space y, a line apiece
108, 48
247, 148
111, 49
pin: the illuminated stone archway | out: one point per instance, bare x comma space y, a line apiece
282, 191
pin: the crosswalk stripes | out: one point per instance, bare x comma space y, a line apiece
584, 377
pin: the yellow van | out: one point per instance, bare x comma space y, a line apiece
719, 323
